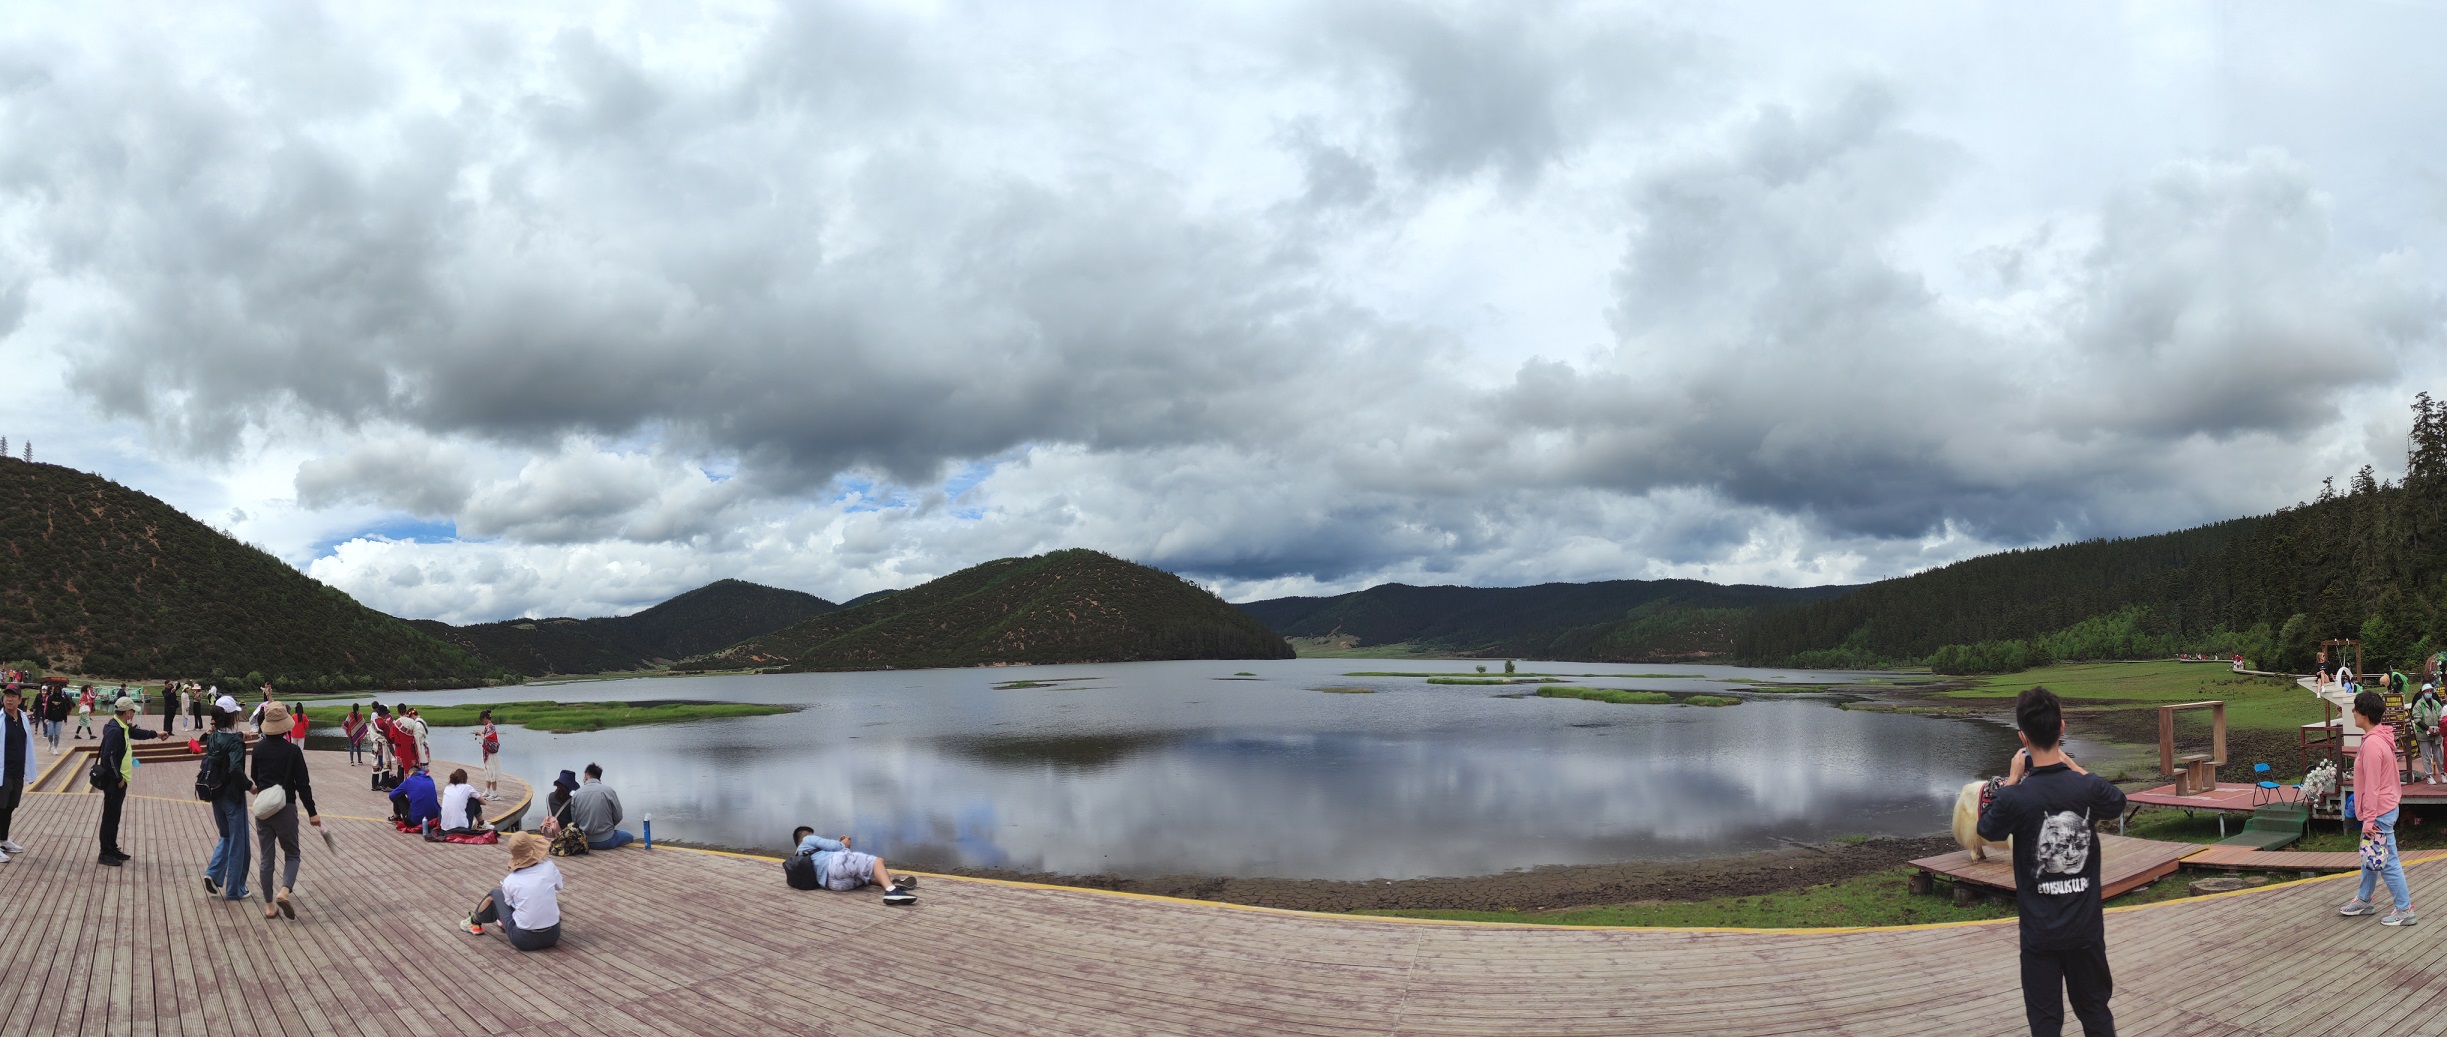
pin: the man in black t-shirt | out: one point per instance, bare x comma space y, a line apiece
2051, 807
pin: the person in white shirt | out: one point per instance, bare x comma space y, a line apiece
462, 806
527, 903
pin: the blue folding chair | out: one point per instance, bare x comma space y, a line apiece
2265, 790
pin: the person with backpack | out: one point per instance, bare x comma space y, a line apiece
222, 776
16, 763
488, 740
113, 767
281, 787
2051, 808
821, 862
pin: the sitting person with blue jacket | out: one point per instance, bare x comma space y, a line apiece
822, 862
415, 802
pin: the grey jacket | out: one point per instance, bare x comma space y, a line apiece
596, 809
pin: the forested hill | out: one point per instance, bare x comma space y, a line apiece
715, 616
1064, 607
103, 580
2370, 563
1610, 621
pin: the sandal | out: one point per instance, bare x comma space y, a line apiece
281, 900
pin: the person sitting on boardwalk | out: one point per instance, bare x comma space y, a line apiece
414, 800
527, 903
280, 764
826, 863
2051, 807
596, 809
462, 807
2376, 796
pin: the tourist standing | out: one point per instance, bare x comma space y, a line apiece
381, 735
279, 763
352, 727
297, 726
415, 725
405, 744
596, 808
2051, 807
169, 707
16, 763
186, 703
55, 715
225, 873
2376, 799
2427, 709
527, 903
116, 764
488, 740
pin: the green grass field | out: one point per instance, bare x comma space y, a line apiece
559, 717
2252, 703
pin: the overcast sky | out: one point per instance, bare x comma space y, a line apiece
563, 309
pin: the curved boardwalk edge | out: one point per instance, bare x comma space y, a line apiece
695, 942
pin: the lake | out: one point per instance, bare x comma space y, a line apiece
1180, 768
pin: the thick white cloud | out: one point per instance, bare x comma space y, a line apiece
565, 308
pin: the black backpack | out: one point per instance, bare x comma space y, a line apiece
210, 776
799, 870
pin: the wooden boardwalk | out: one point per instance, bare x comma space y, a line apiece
2125, 864
672, 941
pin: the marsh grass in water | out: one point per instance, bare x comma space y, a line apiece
1348, 691
1879, 898
1616, 695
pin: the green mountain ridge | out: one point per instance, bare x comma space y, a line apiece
1074, 606
104, 580
1606, 621
710, 618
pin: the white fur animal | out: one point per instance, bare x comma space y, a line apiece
1967, 824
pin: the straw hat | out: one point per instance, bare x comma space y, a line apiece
276, 719
527, 850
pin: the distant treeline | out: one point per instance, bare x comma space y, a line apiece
2368, 563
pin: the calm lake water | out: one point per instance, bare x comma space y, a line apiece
1175, 768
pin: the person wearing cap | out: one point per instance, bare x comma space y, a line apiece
117, 766
279, 763
225, 873
527, 903
16, 763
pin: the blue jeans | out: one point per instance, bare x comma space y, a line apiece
50, 732
617, 838
2394, 873
231, 855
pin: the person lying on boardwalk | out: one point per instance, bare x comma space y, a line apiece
527, 903
462, 807
596, 809
280, 764
2051, 807
826, 863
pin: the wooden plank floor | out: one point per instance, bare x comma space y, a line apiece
2124, 864
672, 941
2248, 859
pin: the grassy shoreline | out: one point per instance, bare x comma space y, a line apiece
559, 717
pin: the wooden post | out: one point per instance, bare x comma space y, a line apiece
1965, 894
1918, 883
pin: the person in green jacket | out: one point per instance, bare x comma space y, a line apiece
2427, 708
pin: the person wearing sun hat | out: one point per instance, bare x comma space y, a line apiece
115, 766
279, 766
527, 902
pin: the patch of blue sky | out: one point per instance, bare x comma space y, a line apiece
403, 528
859, 494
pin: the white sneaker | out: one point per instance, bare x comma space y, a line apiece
10, 846
3, 858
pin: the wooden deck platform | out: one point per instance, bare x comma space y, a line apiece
2124, 865
2229, 797
677, 942
2243, 858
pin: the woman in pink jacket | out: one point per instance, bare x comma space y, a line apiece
2376, 792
